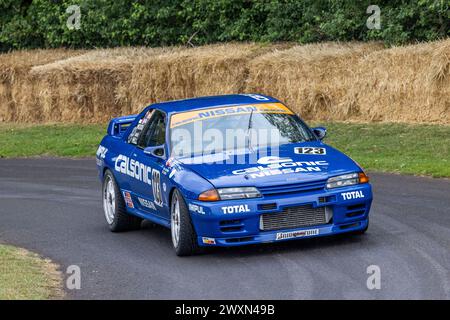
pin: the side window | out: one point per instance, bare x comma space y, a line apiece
134, 136
155, 133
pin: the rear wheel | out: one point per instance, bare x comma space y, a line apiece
114, 207
184, 237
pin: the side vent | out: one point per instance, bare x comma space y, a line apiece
231, 225
237, 240
356, 210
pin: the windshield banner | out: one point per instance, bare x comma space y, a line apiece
183, 118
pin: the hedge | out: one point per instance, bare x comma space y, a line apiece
105, 23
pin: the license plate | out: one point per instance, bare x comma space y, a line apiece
297, 234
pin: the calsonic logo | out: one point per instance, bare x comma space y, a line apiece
297, 234
133, 168
196, 208
276, 165
272, 159
236, 209
352, 195
146, 203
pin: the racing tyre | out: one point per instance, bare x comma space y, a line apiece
184, 237
114, 207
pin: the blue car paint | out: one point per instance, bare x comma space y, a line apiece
193, 179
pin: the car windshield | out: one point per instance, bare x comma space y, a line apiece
208, 131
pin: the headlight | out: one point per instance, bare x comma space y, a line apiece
229, 194
347, 180
238, 193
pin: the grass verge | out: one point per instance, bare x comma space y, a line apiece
391, 147
388, 147
26, 276
74, 140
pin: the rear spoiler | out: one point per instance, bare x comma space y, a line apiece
118, 126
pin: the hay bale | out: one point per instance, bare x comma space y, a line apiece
190, 72
328, 81
359, 82
88, 87
406, 84
16, 87
313, 79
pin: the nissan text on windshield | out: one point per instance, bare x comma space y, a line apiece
227, 171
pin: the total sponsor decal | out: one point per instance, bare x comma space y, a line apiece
134, 169
147, 203
276, 165
196, 208
236, 209
206, 240
296, 234
352, 195
128, 199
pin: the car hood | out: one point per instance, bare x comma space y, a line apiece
290, 163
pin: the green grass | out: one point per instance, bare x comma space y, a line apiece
25, 276
401, 148
50, 140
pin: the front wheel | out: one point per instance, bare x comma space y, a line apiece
114, 207
184, 237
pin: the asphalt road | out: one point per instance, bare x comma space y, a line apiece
53, 207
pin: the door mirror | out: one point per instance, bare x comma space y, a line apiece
320, 132
157, 152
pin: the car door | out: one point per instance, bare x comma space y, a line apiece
147, 189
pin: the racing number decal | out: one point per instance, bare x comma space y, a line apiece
257, 97
156, 186
310, 150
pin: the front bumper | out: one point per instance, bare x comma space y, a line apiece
238, 222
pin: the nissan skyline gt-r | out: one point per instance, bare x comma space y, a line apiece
226, 171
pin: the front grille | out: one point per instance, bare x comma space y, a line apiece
295, 217
307, 186
267, 206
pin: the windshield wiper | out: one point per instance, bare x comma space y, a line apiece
250, 125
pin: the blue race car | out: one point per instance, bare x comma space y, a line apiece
228, 170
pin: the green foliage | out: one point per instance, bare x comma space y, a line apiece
104, 23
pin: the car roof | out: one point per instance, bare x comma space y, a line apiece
211, 101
